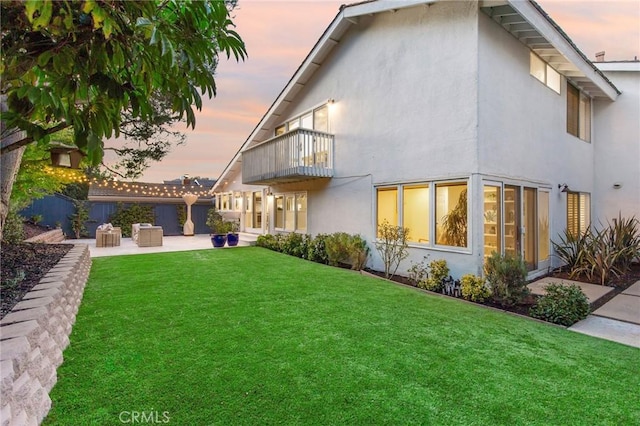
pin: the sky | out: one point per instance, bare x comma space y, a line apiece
279, 34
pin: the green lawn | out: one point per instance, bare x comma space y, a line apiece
250, 336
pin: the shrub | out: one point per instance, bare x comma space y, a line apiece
418, 272
602, 254
293, 244
269, 241
506, 276
392, 246
215, 221
124, 217
346, 249
564, 305
473, 288
316, 249
79, 218
438, 272
13, 231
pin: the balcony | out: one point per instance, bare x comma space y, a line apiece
298, 155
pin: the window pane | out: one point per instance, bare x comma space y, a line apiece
225, 202
537, 67
321, 119
492, 221
289, 217
451, 214
279, 206
281, 129
585, 117
294, 124
585, 211
248, 217
553, 79
543, 226
530, 221
257, 209
387, 206
307, 121
415, 213
573, 96
573, 214
237, 201
301, 212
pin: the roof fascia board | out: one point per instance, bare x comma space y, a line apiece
618, 66
381, 6
528, 11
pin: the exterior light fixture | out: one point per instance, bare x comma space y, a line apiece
563, 187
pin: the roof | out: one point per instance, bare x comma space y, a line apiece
145, 192
539, 32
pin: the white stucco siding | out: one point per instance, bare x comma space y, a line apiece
404, 89
617, 150
522, 122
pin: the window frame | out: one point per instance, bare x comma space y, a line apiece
579, 109
289, 125
431, 185
286, 196
547, 70
582, 213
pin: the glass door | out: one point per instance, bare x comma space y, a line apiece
530, 235
512, 220
492, 220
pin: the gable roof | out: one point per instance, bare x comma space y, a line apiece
543, 35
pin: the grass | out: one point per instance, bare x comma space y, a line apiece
250, 336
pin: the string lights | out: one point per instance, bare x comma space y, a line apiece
152, 190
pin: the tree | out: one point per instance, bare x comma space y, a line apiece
89, 64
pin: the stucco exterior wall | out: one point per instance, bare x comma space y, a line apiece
522, 135
617, 150
405, 110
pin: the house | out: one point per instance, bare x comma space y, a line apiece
478, 125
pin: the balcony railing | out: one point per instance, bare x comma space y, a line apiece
297, 155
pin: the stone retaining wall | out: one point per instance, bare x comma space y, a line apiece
34, 334
53, 236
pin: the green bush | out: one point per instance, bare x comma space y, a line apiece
79, 219
438, 272
269, 241
392, 245
473, 288
124, 216
343, 248
602, 254
316, 249
215, 221
418, 272
13, 231
294, 244
507, 279
564, 305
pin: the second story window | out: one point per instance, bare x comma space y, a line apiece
316, 119
578, 114
543, 72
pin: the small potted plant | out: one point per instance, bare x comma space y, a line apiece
232, 233
218, 228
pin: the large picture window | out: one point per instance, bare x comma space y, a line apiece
578, 113
411, 206
451, 214
415, 212
578, 212
316, 119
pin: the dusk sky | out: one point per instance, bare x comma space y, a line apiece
279, 34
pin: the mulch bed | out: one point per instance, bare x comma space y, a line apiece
23, 265
619, 284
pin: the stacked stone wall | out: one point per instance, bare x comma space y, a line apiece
34, 335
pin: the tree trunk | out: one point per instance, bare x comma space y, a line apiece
9, 166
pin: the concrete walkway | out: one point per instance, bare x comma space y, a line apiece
617, 320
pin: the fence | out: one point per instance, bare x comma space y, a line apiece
56, 209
